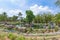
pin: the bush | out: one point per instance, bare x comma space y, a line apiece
43, 31
20, 38
56, 28
29, 30
49, 27
11, 36
36, 26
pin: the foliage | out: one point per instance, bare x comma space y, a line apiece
12, 36
3, 16
57, 18
36, 27
14, 18
20, 38
28, 30
29, 16
49, 27
47, 17
56, 28
38, 19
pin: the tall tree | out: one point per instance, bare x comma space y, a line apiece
4, 16
57, 18
29, 16
20, 16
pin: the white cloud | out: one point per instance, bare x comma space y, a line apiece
10, 12
37, 9
13, 12
2, 10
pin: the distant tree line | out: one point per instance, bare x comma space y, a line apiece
30, 17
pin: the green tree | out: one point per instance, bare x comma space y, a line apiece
9, 18
57, 18
29, 16
38, 19
20, 15
14, 18
3, 16
47, 17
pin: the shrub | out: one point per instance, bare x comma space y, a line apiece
49, 27
20, 38
11, 36
36, 26
29, 30
56, 28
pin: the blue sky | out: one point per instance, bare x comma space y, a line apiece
12, 7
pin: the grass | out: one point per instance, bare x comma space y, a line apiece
14, 36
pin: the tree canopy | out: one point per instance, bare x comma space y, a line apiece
29, 16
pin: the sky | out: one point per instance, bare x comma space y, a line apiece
13, 7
